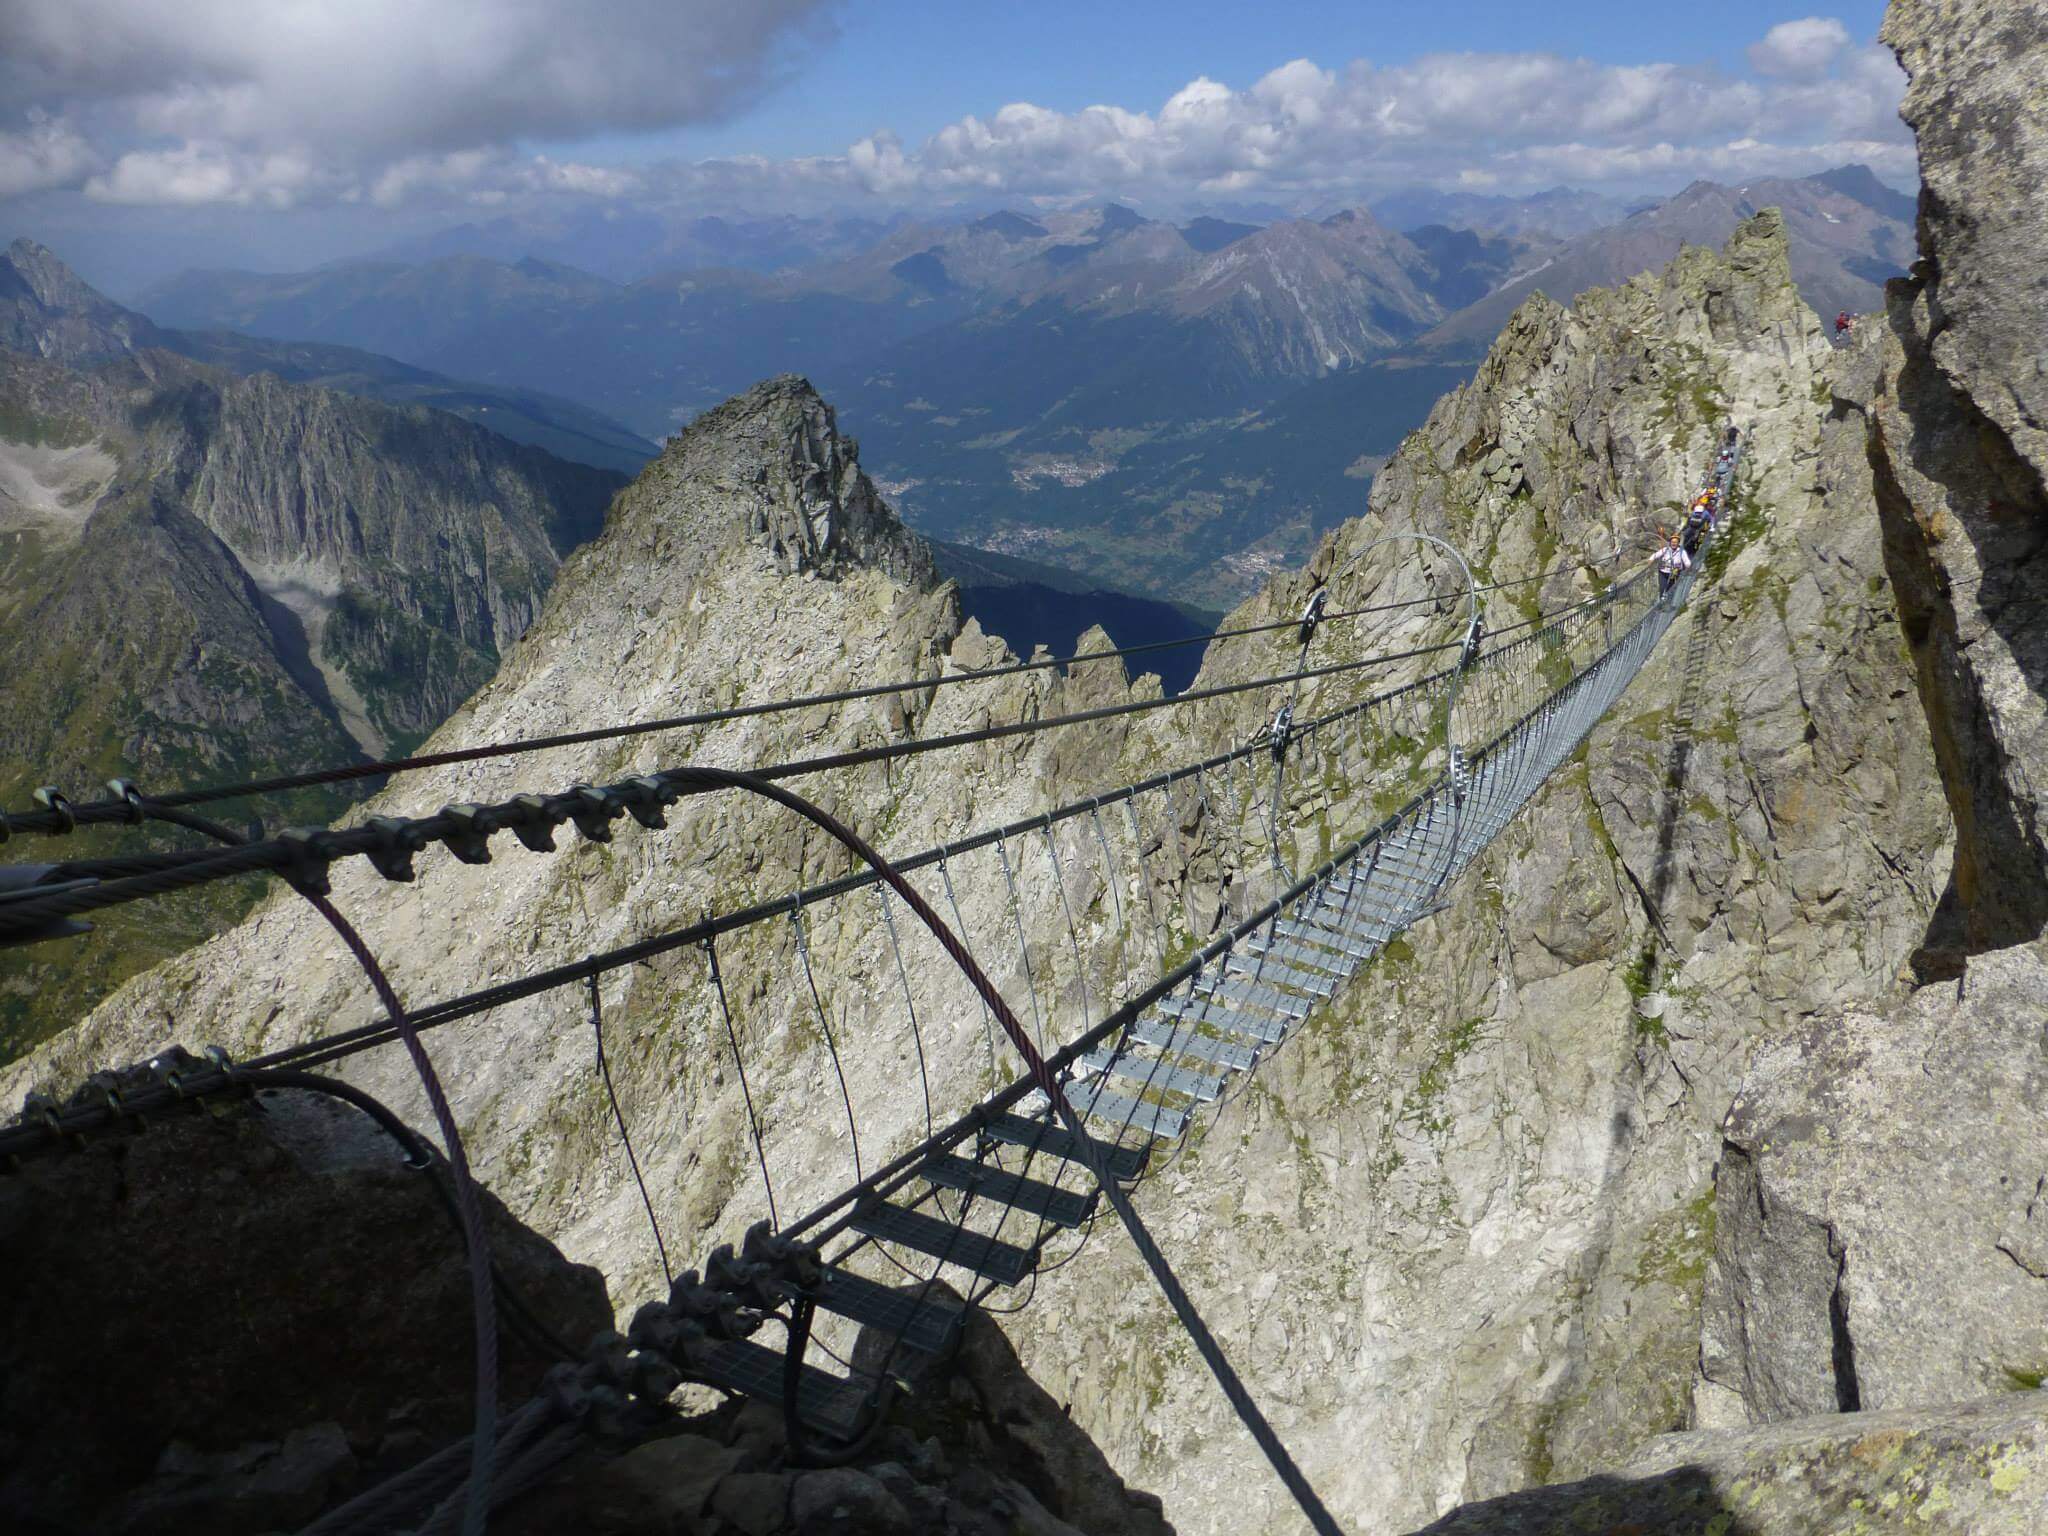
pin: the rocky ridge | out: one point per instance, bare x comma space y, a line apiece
1393, 1169
1479, 1218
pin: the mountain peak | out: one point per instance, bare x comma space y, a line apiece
48, 310
802, 491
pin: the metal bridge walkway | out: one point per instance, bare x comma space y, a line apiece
1146, 1084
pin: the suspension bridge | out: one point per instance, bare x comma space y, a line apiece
975, 1206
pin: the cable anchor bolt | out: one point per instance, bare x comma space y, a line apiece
1312, 614
1281, 730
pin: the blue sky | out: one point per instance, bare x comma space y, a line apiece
138, 137
915, 65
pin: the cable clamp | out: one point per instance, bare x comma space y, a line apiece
647, 799
594, 810
51, 799
397, 841
535, 822
470, 838
308, 852
1280, 730
1312, 614
124, 790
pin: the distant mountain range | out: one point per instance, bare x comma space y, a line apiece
47, 311
1848, 232
1092, 388
209, 577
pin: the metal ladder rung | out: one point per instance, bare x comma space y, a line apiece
1097, 1102
1190, 1041
827, 1402
1267, 967
1204, 1010
925, 1323
1269, 998
1004, 1263
1033, 1197
1330, 963
1152, 1072
1055, 1141
1328, 938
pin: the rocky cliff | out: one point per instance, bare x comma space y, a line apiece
1480, 1192
1490, 1221
204, 577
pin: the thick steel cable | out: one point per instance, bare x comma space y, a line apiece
347, 1042
26, 911
625, 1136
477, 1510
118, 811
108, 811
468, 1202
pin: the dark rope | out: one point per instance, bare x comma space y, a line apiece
803, 950
625, 1136
740, 1066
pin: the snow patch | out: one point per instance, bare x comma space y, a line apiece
52, 490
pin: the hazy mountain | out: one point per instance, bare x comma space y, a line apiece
1847, 233
1562, 213
47, 311
626, 244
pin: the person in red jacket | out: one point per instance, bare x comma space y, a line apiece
1843, 323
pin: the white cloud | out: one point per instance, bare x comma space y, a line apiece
1799, 49
396, 103
49, 153
195, 173
213, 96
1305, 132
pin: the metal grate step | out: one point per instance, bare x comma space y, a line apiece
1337, 965
1097, 1102
1272, 999
1329, 938
928, 1323
1268, 968
1152, 1072
1187, 1040
1056, 1141
1206, 1009
1061, 1207
830, 1403
1004, 1263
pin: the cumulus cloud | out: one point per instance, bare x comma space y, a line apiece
1308, 131
1799, 49
47, 153
225, 100
392, 103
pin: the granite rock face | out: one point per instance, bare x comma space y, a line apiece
1959, 449
209, 578
1979, 1469
1881, 1207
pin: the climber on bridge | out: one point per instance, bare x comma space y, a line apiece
1672, 561
1701, 518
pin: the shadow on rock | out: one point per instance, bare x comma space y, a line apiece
223, 1322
